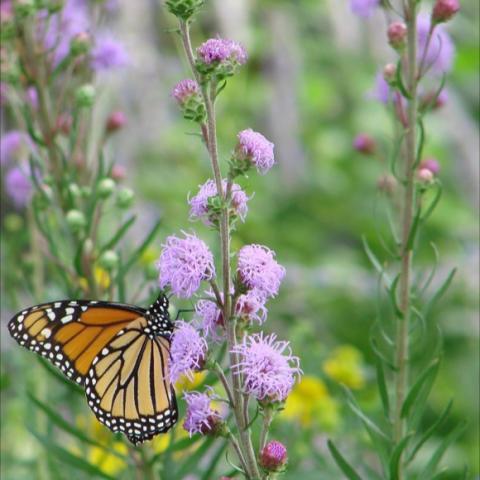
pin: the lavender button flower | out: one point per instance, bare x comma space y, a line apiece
14, 146
201, 208
267, 366
200, 416
254, 148
273, 456
364, 8
184, 90
184, 263
259, 271
219, 50
188, 351
441, 50
108, 54
251, 308
18, 187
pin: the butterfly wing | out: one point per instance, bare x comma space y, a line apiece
128, 387
71, 333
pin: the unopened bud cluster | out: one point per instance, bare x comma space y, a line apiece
184, 9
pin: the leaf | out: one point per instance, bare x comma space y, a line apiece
344, 466
397, 455
439, 293
432, 272
400, 83
59, 376
382, 386
434, 202
421, 143
69, 458
208, 474
392, 291
429, 374
429, 432
374, 261
429, 469
119, 234
193, 460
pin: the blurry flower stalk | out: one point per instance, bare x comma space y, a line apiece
411, 85
232, 291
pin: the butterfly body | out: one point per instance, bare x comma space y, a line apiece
118, 353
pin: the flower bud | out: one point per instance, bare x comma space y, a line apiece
273, 457
424, 175
444, 10
85, 96
184, 9
397, 34
430, 164
187, 94
76, 220
74, 190
115, 121
80, 44
108, 260
106, 187
365, 144
119, 172
387, 184
125, 198
390, 73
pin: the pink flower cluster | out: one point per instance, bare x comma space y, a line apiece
256, 148
184, 90
219, 50
200, 417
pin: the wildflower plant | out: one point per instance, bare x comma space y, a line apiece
411, 86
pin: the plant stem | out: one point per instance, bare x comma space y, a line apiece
402, 344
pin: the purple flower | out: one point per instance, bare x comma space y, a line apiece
200, 417
184, 90
199, 204
32, 97
364, 8
188, 351
18, 186
440, 53
108, 54
254, 147
184, 263
14, 145
259, 271
364, 143
64, 26
381, 90
251, 308
430, 164
267, 366
273, 456
219, 50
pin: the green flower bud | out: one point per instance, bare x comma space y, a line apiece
151, 272
74, 190
106, 187
76, 220
85, 96
108, 260
80, 44
184, 9
85, 191
125, 198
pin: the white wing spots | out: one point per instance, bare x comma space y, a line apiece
51, 315
46, 332
84, 309
47, 346
105, 351
67, 318
57, 304
20, 318
73, 302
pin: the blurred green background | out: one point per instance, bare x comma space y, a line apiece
305, 87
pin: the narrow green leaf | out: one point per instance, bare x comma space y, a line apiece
69, 458
392, 292
208, 474
381, 356
439, 293
375, 261
190, 464
344, 466
429, 432
382, 386
59, 376
438, 194
421, 143
119, 234
413, 230
400, 83
397, 455
429, 469
429, 374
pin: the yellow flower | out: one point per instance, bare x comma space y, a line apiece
149, 256
106, 461
161, 442
311, 403
345, 366
102, 277
185, 384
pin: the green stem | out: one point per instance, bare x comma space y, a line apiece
402, 340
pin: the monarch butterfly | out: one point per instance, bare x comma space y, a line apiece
118, 353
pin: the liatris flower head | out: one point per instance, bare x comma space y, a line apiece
187, 94
251, 308
364, 8
365, 144
444, 10
184, 263
18, 186
397, 34
184, 9
220, 58
267, 366
200, 416
273, 456
14, 146
207, 204
188, 351
108, 54
425, 176
253, 149
115, 121
258, 270
441, 51
430, 164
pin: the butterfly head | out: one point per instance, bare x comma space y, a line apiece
158, 316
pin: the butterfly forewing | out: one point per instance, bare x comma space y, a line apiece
119, 352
